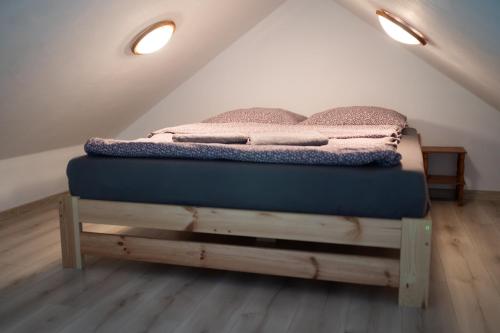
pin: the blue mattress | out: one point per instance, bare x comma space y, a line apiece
369, 191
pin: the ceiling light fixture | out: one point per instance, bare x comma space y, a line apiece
398, 29
153, 38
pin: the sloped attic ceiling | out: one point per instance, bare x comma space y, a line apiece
66, 72
464, 38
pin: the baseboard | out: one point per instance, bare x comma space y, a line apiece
442, 194
483, 195
450, 194
41, 205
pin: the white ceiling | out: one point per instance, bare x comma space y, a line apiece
66, 72
464, 38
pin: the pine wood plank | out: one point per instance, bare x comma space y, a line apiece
306, 227
303, 264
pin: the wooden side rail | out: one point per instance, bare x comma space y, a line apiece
412, 236
301, 264
291, 226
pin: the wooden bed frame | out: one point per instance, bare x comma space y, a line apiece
409, 272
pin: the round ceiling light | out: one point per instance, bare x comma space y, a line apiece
153, 38
398, 29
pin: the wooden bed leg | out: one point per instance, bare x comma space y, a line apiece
415, 262
70, 233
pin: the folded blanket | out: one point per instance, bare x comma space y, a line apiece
347, 152
289, 139
225, 138
347, 145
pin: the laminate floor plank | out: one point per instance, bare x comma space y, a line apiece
282, 308
386, 315
22, 303
9, 243
360, 309
164, 305
334, 316
223, 301
22, 224
311, 309
15, 275
63, 287
158, 281
111, 305
47, 319
252, 314
178, 304
19, 255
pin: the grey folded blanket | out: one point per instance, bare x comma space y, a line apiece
224, 138
347, 145
289, 139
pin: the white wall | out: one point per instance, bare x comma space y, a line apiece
311, 55
28, 178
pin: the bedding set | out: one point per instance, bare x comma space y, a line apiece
266, 159
347, 136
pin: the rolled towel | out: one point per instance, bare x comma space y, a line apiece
225, 138
289, 139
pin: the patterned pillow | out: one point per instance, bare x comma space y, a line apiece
258, 115
357, 115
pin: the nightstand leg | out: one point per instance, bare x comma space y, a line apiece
461, 179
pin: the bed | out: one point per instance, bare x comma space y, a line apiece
366, 224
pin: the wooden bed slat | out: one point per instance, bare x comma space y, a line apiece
385, 233
301, 264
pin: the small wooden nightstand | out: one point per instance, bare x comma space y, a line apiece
458, 181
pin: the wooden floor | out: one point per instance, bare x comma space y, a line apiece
36, 295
